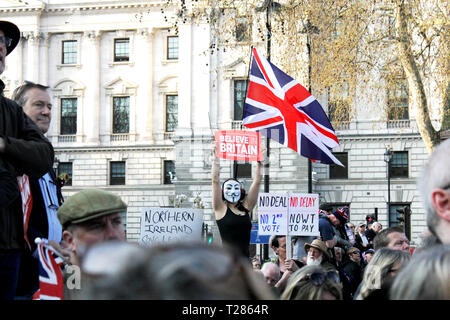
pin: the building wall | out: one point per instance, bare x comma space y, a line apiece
204, 84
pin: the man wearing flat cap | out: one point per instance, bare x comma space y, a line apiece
89, 217
24, 152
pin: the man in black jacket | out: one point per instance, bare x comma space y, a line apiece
23, 150
45, 191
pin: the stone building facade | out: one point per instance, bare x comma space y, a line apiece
106, 61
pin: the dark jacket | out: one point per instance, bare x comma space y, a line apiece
354, 271
359, 243
27, 151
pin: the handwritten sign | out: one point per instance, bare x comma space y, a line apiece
162, 225
288, 214
238, 145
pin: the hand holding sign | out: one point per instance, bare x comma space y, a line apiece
238, 145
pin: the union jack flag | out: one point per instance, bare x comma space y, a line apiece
285, 111
50, 275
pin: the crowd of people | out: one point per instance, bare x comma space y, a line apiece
350, 260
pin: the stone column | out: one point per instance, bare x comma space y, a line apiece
43, 70
91, 61
33, 39
144, 66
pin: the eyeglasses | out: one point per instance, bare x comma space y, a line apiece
446, 187
355, 252
5, 41
318, 278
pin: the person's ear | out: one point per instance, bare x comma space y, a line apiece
69, 238
440, 200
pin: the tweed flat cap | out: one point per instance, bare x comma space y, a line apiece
89, 204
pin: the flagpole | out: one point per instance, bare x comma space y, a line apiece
308, 48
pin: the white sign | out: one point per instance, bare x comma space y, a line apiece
163, 225
295, 214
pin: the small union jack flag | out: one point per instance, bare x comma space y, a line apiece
283, 110
50, 275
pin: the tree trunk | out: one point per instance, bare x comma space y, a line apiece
415, 85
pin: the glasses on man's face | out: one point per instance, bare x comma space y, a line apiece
355, 252
5, 41
318, 278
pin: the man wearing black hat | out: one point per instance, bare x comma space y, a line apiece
23, 151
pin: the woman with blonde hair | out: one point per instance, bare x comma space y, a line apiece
313, 283
427, 277
380, 272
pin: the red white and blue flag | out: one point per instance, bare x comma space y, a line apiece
50, 275
283, 110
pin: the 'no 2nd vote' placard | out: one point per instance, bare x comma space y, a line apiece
238, 145
293, 214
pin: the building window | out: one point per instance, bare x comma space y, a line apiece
169, 172
171, 112
395, 217
242, 169
239, 92
399, 164
172, 48
121, 50
66, 168
338, 104
397, 92
68, 115
121, 111
243, 29
117, 173
69, 52
338, 172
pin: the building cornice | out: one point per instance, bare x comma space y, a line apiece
103, 149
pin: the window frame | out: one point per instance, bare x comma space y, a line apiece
117, 58
334, 167
63, 52
117, 181
171, 49
166, 175
167, 114
61, 99
113, 108
236, 100
60, 171
393, 168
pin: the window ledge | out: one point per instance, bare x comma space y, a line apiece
121, 63
167, 61
68, 65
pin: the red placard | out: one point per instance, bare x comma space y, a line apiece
238, 145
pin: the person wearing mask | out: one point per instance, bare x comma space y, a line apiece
232, 207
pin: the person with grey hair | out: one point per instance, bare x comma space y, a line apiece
271, 273
427, 277
380, 272
45, 191
434, 186
177, 271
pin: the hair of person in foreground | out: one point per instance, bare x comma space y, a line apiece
180, 271
381, 269
427, 277
313, 283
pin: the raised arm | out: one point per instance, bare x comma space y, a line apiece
217, 202
253, 192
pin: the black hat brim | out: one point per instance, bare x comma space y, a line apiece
11, 31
